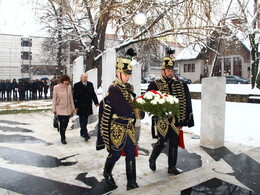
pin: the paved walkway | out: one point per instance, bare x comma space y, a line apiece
33, 161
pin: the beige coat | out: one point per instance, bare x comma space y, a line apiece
62, 101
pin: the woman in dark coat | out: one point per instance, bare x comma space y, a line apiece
84, 95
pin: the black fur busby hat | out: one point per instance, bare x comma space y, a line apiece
168, 61
124, 64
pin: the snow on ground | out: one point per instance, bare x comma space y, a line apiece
241, 121
30, 105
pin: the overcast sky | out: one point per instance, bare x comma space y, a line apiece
17, 17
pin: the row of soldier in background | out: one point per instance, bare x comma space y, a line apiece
26, 89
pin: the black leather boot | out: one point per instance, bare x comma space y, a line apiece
131, 175
172, 160
152, 160
108, 173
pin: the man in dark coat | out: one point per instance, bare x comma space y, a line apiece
8, 89
83, 95
14, 88
3, 89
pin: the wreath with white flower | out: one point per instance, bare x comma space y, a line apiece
158, 104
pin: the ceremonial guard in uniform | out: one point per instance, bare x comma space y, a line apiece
116, 124
168, 128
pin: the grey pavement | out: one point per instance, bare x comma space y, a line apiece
33, 161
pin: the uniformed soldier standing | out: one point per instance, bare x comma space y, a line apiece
168, 127
116, 124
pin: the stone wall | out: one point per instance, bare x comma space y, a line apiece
231, 97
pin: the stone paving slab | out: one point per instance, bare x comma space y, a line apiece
33, 161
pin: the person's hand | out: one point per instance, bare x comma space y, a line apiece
97, 105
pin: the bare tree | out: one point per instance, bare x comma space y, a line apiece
193, 22
247, 12
87, 21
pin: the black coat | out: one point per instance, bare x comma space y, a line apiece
83, 97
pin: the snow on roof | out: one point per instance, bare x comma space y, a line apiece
188, 53
241, 36
243, 39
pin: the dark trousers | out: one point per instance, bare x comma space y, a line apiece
129, 150
14, 93
63, 124
171, 136
173, 140
83, 121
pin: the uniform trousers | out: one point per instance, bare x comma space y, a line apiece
173, 138
129, 150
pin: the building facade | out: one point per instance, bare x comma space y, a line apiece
24, 57
233, 58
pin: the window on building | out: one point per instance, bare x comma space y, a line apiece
26, 55
185, 67
189, 67
26, 42
193, 67
227, 66
25, 68
237, 66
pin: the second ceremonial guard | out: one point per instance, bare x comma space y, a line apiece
168, 128
117, 124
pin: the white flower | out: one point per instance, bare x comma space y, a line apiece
171, 101
153, 102
140, 101
148, 95
157, 98
170, 97
161, 101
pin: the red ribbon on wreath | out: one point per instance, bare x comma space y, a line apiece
181, 139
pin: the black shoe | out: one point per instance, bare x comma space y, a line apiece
109, 179
108, 174
86, 137
173, 171
63, 141
131, 185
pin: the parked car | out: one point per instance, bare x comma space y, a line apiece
234, 79
183, 79
145, 80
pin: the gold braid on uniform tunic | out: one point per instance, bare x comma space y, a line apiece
104, 124
178, 91
118, 130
